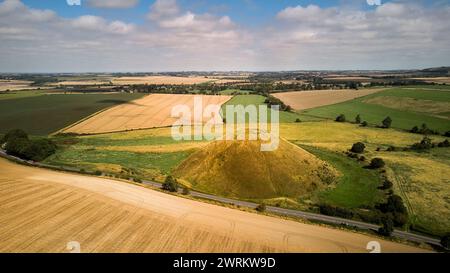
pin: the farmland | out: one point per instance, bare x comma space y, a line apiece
258, 100
407, 108
140, 80
113, 216
41, 114
312, 99
149, 112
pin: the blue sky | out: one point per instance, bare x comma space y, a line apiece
247, 12
256, 35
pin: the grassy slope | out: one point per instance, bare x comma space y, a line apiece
374, 114
44, 114
90, 152
245, 100
240, 169
357, 187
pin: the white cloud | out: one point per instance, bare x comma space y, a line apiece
112, 4
394, 35
163, 8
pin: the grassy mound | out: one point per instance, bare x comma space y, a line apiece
240, 169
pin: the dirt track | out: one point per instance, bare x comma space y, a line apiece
303, 100
42, 210
149, 112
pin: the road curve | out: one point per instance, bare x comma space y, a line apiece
41, 210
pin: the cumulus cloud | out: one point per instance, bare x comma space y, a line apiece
395, 35
392, 35
112, 4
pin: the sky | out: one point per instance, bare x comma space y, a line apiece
47, 36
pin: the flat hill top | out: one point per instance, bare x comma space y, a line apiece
240, 169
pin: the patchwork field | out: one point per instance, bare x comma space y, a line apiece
40, 114
114, 216
408, 107
311, 99
149, 112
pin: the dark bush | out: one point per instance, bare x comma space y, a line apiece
341, 118
38, 150
18, 144
394, 204
447, 134
261, 208
358, 148
387, 185
425, 144
377, 163
387, 122
14, 134
358, 119
444, 144
335, 211
298, 120
170, 184
98, 173
387, 227
364, 124
415, 130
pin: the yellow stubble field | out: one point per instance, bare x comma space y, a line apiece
43, 210
152, 111
311, 99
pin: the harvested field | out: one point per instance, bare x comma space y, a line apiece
14, 85
161, 80
110, 216
149, 112
311, 99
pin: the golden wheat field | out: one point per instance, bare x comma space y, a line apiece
311, 99
149, 112
43, 210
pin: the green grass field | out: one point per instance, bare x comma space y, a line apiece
40, 114
402, 119
356, 188
258, 100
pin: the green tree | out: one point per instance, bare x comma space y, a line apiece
358, 148
14, 134
387, 226
358, 119
170, 184
387, 122
377, 163
341, 118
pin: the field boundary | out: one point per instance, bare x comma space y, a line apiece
86, 118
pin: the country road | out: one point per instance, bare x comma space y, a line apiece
276, 210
